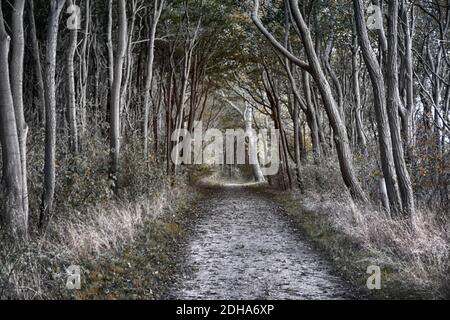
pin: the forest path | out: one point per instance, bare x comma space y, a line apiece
244, 247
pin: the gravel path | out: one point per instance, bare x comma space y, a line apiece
243, 247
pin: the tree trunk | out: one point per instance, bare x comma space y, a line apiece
48, 194
127, 79
109, 44
393, 100
188, 51
116, 94
16, 78
408, 111
157, 123
37, 61
311, 118
361, 137
384, 134
84, 58
332, 109
333, 76
252, 144
14, 217
298, 157
71, 98
154, 19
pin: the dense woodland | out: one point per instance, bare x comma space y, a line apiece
91, 91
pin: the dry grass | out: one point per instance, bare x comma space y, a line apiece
36, 270
106, 228
420, 252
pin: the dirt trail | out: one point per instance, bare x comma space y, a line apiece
243, 247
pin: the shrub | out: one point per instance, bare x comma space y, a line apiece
89, 221
420, 252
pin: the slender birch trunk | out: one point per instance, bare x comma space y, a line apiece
37, 61
14, 217
71, 97
48, 194
16, 78
115, 94
154, 19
